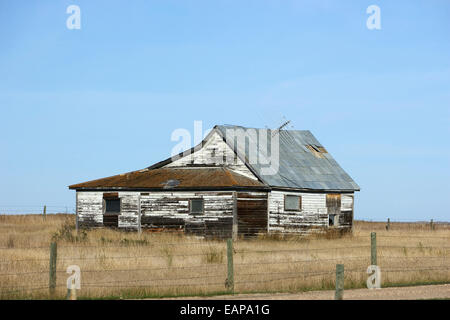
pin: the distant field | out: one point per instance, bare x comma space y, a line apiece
125, 264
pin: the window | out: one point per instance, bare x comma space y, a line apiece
292, 203
196, 206
112, 206
333, 220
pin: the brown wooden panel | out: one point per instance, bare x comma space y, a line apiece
251, 214
251, 196
110, 195
334, 203
111, 220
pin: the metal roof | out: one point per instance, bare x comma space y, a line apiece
300, 166
174, 178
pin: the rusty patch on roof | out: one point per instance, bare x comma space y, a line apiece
165, 178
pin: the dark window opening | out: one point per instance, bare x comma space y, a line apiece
196, 206
292, 203
333, 220
112, 206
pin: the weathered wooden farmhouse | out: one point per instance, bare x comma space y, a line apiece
257, 181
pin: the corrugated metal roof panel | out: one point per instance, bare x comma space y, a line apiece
298, 166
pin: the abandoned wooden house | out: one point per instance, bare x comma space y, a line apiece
217, 189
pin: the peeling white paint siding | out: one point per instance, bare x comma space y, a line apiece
176, 204
165, 206
171, 210
172, 207
347, 202
313, 214
90, 206
129, 210
90, 209
206, 156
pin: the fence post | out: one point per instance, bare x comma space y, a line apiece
52, 273
230, 277
44, 213
373, 248
234, 230
388, 225
431, 224
339, 295
72, 293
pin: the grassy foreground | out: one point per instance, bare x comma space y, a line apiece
118, 264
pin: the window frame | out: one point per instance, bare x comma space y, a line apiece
112, 213
300, 202
197, 213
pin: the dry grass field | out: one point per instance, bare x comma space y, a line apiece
130, 265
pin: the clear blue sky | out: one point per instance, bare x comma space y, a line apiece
83, 104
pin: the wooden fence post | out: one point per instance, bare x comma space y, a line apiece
373, 248
230, 277
339, 295
431, 225
388, 225
52, 272
72, 293
44, 213
234, 230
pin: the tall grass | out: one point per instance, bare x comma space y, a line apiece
117, 264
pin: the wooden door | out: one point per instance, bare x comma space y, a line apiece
251, 213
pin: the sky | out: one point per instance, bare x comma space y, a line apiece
81, 104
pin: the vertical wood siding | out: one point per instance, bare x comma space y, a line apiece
251, 213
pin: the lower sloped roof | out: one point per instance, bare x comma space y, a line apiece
173, 178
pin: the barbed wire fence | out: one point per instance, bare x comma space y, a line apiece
219, 267
36, 209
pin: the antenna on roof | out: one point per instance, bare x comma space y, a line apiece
283, 125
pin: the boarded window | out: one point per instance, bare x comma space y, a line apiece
292, 203
333, 204
112, 206
196, 206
